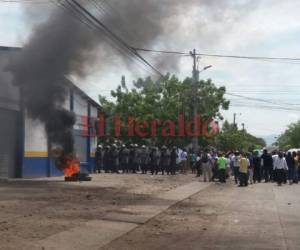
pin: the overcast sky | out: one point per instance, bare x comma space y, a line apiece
254, 28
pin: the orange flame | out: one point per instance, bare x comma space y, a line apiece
71, 167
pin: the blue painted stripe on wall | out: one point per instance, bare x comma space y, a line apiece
84, 167
54, 171
38, 167
35, 167
92, 164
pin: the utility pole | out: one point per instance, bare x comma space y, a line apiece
195, 80
234, 119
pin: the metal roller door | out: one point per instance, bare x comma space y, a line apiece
8, 143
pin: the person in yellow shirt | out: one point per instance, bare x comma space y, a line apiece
243, 170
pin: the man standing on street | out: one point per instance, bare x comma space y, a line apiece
280, 166
236, 165
206, 166
244, 166
267, 165
256, 168
222, 165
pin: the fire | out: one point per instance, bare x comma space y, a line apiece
68, 163
71, 166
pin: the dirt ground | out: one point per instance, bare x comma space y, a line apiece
262, 216
32, 210
141, 212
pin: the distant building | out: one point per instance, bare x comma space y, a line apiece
24, 149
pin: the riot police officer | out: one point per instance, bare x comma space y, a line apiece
131, 158
99, 159
106, 159
114, 157
124, 159
137, 158
165, 160
144, 155
173, 161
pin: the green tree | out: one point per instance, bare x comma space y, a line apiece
232, 138
290, 138
165, 100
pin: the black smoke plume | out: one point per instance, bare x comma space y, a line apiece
63, 46
56, 49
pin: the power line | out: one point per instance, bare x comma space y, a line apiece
88, 23
110, 33
109, 9
251, 57
219, 55
259, 99
163, 51
76, 7
94, 22
241, 105
73, 13
26, 1
135, 50
113, 35
98, 7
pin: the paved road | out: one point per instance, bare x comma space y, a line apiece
261, 216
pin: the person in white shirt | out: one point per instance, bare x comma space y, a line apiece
178, 159
235, 161
184, 157
279, 167
206, 166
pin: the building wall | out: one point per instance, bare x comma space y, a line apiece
9, 94
81, 141
29, 149
93, 139
35, 163
9, 143
10, 119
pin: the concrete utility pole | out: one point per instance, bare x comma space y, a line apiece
234, 119
243, 125
194, 94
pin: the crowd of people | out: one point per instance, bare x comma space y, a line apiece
244, 168
277, 167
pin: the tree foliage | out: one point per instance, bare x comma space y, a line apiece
290, 138
165, 99
232, 138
